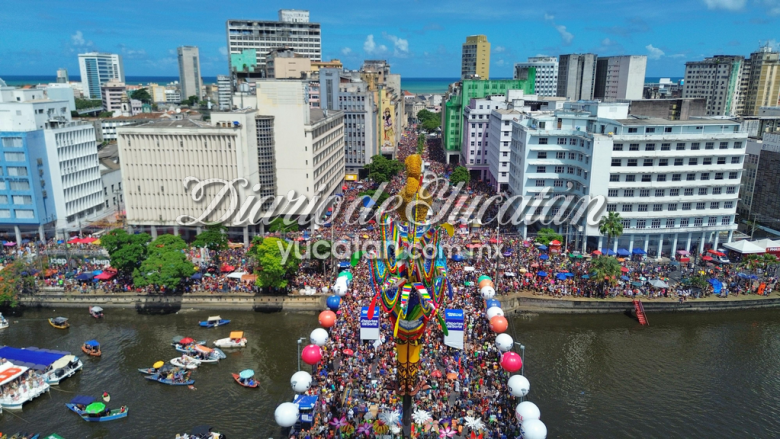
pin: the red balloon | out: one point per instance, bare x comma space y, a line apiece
327, 319
311, 354
498, 324
511, 362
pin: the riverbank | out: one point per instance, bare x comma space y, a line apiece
521, 302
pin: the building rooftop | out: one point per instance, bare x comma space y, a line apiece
169, 123
506, 111
659, 121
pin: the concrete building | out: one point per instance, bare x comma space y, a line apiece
765, 204
224, 92
62, 76
663, 89
763, 81
250, 40
620, 77
671, 109
157, 92
388, 95
112, 93
716, 79
332, 64
674, 183
546, 68
284, 63
479, 126
577, 76
749, 172
172, 96
98, 68
189, 71
111, 179
767, 121
61, 92
475, 58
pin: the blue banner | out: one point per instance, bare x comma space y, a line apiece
455, 321
369, 328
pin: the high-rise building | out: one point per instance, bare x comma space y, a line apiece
577, 76
717, 79
286, 64
620, 77
112, 93
763, 81
546, 74
224, 92
475, 58
249, 41
189, 72
62, 76
388, 96
97, 68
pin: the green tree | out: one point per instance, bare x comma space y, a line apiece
278, 224
381, 169
166, 243
547, 235
142, 95
429, 120
105, 114
125, 250
191, 101
605, 272
87, 103
460, 174
611, 226
274, 269
214, 237
420, 144
166, 264
15, 280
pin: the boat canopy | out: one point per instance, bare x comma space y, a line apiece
62, 362
10, 372
33, 359
237, 334
214, 318
204, 349
92, 343
97, 309
59, 320
82, 400
158, 364
95, 408
246, 374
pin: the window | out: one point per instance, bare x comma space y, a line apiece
5, 213
725, 221
626, 223
559, 169
663, 162
647, 162
14, 156
541, 169
650, 130
558, 183
628, 207
539, 183
689, 192
723, 145
718, 176
709, 145
716, 190
737, 145
705, 176
670, 223
734, 160
702, 191
16, 171
683, 222
656, 224
667, 129
22, 199
24, 213
666, 146
733, 175
3, 199
731, 190
560, 155
632, 162
700, 206
543, 141
712, 221
693, 161
678, 162
660, 192
617, 147
644, 192
573, 142
697, 222
630, 178
674, 192
695, 146
641, 224
633, 147
715, 205
647, 177
611, 207
541, 155
614, 177
542, 125
561, 140
631, 130
690, 177
707, 161
728, 204
671, 207
650, 147
628, 192
686, 206
20, 185
618, 162
680, 147
642, 208
676, 177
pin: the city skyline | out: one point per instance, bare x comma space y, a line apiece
419, 40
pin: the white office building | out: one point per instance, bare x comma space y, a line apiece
189, 71
546, 82
224, 92
97, 68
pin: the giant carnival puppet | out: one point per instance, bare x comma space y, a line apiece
409, 276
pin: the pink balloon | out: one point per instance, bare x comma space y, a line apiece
511, 362
311, 354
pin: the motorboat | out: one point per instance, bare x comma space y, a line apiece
186, 344
213, 322
91, 410
91, 348
3, 322
208, 355
53, 366
65, 367
156, 367
186, 362
170, 381
19, 384
204, 432
245, 378
236, 340
96, 312
59, 322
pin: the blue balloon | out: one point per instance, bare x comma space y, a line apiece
334, 302
491, 303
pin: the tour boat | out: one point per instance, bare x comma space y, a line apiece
3, 322
96, 312
245, 378
91, 411
59, 322
18, 387
55, 365
213, 322
91, 348
186, 362
236, 340
163, 380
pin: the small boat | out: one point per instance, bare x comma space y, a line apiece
91, 348
65, 367
59, 322
154, 369
204, 432
245, 378
186, 362
185, 344
3, 322
213, 322
96, 312
160, 379
95, 411
236, 340
22, 436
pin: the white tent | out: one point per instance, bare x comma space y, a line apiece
764, 243
744, 247
236, 274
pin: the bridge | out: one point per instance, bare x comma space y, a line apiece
90, 110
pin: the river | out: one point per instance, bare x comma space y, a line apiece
687, 375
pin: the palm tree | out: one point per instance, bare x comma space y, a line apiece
605, 271
611, 226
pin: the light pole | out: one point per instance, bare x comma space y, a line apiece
522, 357
300, 340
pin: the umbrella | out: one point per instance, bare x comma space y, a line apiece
585, 276
569, 274
246, 374
623, 252
196, 276
534, 265
682, 252
186, 340
452, 376
596, 252
560, 276
608, 252
555, 242
544, 257
344, 264
542, 247
95, 408
348, 352
541, 274
92, 343
436, 373
236, 274
84, 276
529, 275
624, 269
636, 284
523, 270
97, 309
638, 251
368, 202
707, 258
457, 258
658, 283
158, 364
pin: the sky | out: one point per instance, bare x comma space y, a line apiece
418, 38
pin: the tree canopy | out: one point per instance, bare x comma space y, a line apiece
142, 95
278, 225
166, 264
191, 101
82, 104
611, 226
420, 144
381, 169
547, 235
460, 174
605, 269
214, 237
429, 120
274, 270
125, 250
14, 279
166, 243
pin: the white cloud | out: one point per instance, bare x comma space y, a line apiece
773, 7
499, 49
346, 50
566, 36
400, 45
549, 17
654, 52
369, 45
78, 39
729, 5
500, 63
678, 55
223, 51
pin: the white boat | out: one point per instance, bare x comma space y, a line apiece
236, 340
186, 362
208, 355
18, 384
65, 367
3, 322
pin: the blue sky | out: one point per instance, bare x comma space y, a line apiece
419, 38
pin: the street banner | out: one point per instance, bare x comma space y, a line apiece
454, 319
369, 328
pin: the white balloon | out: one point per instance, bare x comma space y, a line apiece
319, 337
286, 414
300, 381
518, 385
527, 410
494, 311
340, 289
504, 341
534, 429
487, 292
